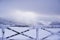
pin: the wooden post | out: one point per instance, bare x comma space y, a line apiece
37, 33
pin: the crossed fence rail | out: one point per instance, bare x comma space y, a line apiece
32, 38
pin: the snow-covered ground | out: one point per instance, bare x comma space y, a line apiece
41, 34
39, 31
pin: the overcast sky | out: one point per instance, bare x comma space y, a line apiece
45, 7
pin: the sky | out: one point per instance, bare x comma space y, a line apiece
44, 8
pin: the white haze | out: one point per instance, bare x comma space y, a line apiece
29, 17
